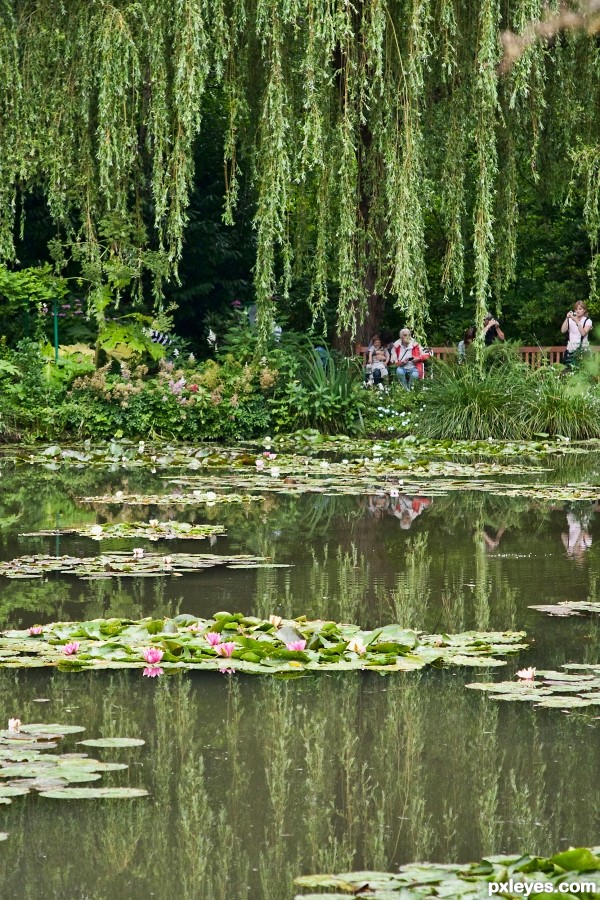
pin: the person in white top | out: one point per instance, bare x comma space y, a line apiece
577, 326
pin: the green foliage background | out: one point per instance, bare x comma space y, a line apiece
374, 147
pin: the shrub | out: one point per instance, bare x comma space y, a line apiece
464, 402
319, 392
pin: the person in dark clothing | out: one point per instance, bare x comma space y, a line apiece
491, 330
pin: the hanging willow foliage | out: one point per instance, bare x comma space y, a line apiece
351, 120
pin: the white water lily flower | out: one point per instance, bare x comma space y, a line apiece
167, 560
345, 462
14, 726
275, 620
275, 472
119, 495
96, 530
356, 646
153, 523
527, 674
394, 492
138, 553
210, 495
260, 463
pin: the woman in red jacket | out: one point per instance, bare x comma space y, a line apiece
408, 357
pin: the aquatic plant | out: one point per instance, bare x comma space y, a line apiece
253, 645
575, 688
561, 872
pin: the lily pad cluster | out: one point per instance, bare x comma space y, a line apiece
152, 531
144, 454
238, 643
577, 687
469, 882
175, 498
120, 564
26, 765
569, 608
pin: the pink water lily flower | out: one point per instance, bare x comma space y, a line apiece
35, 629
71, 648
152, 655
296, 645
153, 671
275, 620
356, 646
213, 638
225, 649
224, 670
195, 626
526, 674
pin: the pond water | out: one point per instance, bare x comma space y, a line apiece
254, 781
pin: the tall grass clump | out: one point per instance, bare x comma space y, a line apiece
561, 404
466, 402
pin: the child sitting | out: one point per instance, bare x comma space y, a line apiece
378, 362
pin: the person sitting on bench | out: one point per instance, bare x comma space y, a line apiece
378, 362
408, 357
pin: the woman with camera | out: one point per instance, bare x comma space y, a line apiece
577, 326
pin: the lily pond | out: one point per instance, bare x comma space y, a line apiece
390, 592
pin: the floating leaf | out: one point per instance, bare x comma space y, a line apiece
113, 742
107, 793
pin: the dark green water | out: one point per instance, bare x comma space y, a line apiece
254, 781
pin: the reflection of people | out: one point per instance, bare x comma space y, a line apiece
491, 330
409, 358
378, 504
491, 543
408, 508
578, 539
576, 326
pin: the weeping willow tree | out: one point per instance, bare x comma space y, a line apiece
351, 119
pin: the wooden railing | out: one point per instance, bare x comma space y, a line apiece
533, 356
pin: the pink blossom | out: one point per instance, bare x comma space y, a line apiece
71, 648
195, 626
226, 671
356, 645
213, 638
153, 671
35, 629
152, 655
275, 620
225, 649
194, 388
296, 645
260, 463
526, 674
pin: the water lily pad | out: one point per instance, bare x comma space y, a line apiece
250, 645
113, 742
107, 793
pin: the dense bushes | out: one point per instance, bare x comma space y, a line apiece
238, 396
506, 400
234, 397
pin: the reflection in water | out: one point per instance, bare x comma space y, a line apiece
577, 539
253, 782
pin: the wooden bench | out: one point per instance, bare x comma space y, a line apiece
533, 356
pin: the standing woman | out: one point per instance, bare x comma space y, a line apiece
576, 326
